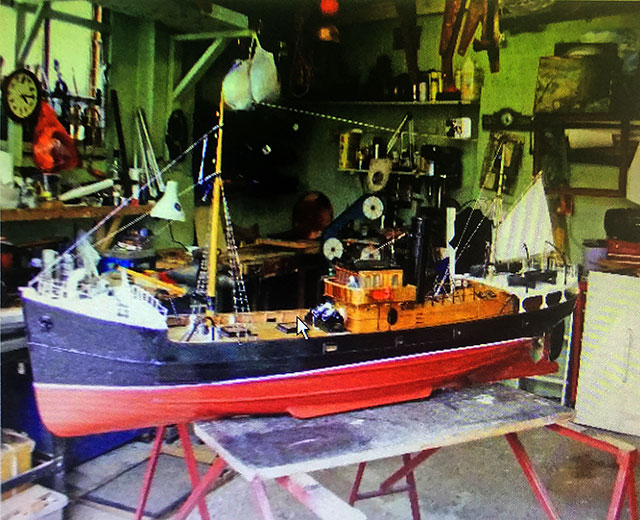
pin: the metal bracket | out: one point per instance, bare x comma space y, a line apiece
45, 12
221, 39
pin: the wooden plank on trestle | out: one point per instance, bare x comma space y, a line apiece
272, 447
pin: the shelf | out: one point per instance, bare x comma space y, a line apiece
67, 213
592, 120
434, 178
390, 104
400, 103
548, 127
85, 150
45, 465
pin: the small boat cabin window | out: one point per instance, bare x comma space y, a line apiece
394, 280
376, 280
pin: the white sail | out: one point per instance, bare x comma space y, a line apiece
528, 224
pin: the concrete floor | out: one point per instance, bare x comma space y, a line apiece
477, 480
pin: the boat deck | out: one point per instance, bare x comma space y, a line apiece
262, 325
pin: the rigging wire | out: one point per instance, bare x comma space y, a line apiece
240, 300
355, 122
382, 246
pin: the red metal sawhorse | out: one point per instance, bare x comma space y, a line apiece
190, 461
302, 487
625, 487
284, 449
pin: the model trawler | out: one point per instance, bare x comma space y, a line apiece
108, 356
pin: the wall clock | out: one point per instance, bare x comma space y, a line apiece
21, 94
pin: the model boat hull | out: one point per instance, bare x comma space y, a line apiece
101, 376
69, 410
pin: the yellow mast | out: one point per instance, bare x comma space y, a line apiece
214, 224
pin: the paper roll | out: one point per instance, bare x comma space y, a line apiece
589, 138
6, 168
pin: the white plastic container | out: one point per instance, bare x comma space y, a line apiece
34, 503
471, 80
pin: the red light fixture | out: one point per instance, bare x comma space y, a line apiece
329, 7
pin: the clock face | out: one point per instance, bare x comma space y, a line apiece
21, 95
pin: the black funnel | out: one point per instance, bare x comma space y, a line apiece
416, 274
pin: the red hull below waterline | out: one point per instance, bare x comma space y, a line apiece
70, 410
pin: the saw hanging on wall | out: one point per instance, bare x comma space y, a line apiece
456, 35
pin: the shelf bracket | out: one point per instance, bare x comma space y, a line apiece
228, 16
200, 67
30, 37
234, 33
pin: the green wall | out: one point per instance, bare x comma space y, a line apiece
69, 44
512, 87
139, 58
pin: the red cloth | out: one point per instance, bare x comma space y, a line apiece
53, 148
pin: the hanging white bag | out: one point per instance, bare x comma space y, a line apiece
265, 85
252, 80
236, 86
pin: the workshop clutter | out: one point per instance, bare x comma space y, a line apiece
401, 153
16, 451
53, 148
35, 503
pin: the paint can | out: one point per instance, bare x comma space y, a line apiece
435, 84
349, 146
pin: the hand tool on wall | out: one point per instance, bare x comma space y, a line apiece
476, 14
453, 15
124, 164
483, 12
490, 35
147, 150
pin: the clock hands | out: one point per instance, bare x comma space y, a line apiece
26, 97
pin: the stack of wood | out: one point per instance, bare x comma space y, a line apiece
624, 252
622, 257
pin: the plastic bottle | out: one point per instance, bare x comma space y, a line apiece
470, 88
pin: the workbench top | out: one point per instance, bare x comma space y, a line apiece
271, 447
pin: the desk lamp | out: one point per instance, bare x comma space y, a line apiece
169, 208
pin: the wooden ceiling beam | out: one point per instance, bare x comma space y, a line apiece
200, 67
30, 36
229, 17
240, 33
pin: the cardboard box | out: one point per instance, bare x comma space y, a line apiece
15, 456
34, 503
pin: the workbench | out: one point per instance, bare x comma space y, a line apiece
286, 449
281, 274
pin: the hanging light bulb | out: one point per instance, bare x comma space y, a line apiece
329, 7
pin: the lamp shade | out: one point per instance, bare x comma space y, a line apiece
169, 207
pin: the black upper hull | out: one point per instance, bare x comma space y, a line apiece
74, 349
